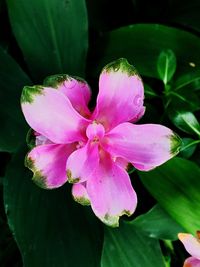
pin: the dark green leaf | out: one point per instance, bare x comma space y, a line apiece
188, 147
51, 34
166, 65
186, 121
126, 246
149, 92
13, 126
190, 80
49, 227
141, 44
175, 185
184, 100
158, 224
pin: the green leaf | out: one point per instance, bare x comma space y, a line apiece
149, 92
188, 147
13, 126
190, 80
184, 99
126, 246
166, 65
51, 34
158, 224
175, 185
186, 121
141, 44
49, 227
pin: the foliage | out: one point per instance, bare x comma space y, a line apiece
77, 37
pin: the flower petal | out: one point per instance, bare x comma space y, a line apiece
121, 163
48, 164
191, 262
76, 89
51, 114
80, 194
191, 244
82, 163
111, 193
121, 95
145, 146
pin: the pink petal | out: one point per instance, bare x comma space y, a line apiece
145, 146
51, 114
121, 163
121, 95
191, 262
48, 164
95, 131
82, 163
76, 89
41, 140
191, 244
80, 194
111, 193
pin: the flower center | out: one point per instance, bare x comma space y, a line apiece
95, 131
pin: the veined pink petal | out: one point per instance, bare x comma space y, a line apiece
191, 262
111, 193
76, 89
80, 194
191, 244
82, 163
145, 146
48, 164
51, 114
121, 95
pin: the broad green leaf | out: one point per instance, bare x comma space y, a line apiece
166, 65
127, 246
188, 147
49, 227
13, 126
158, 224
175, 185
186, 121
51, 34
184, 99
190, 80
141, 44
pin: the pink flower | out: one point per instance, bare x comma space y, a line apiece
94, 148
192, 245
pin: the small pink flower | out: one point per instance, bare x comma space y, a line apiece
94, 148
192, 245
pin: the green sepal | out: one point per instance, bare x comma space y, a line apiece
176, 144
55, 80
122, 65
29, 92
30, 139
